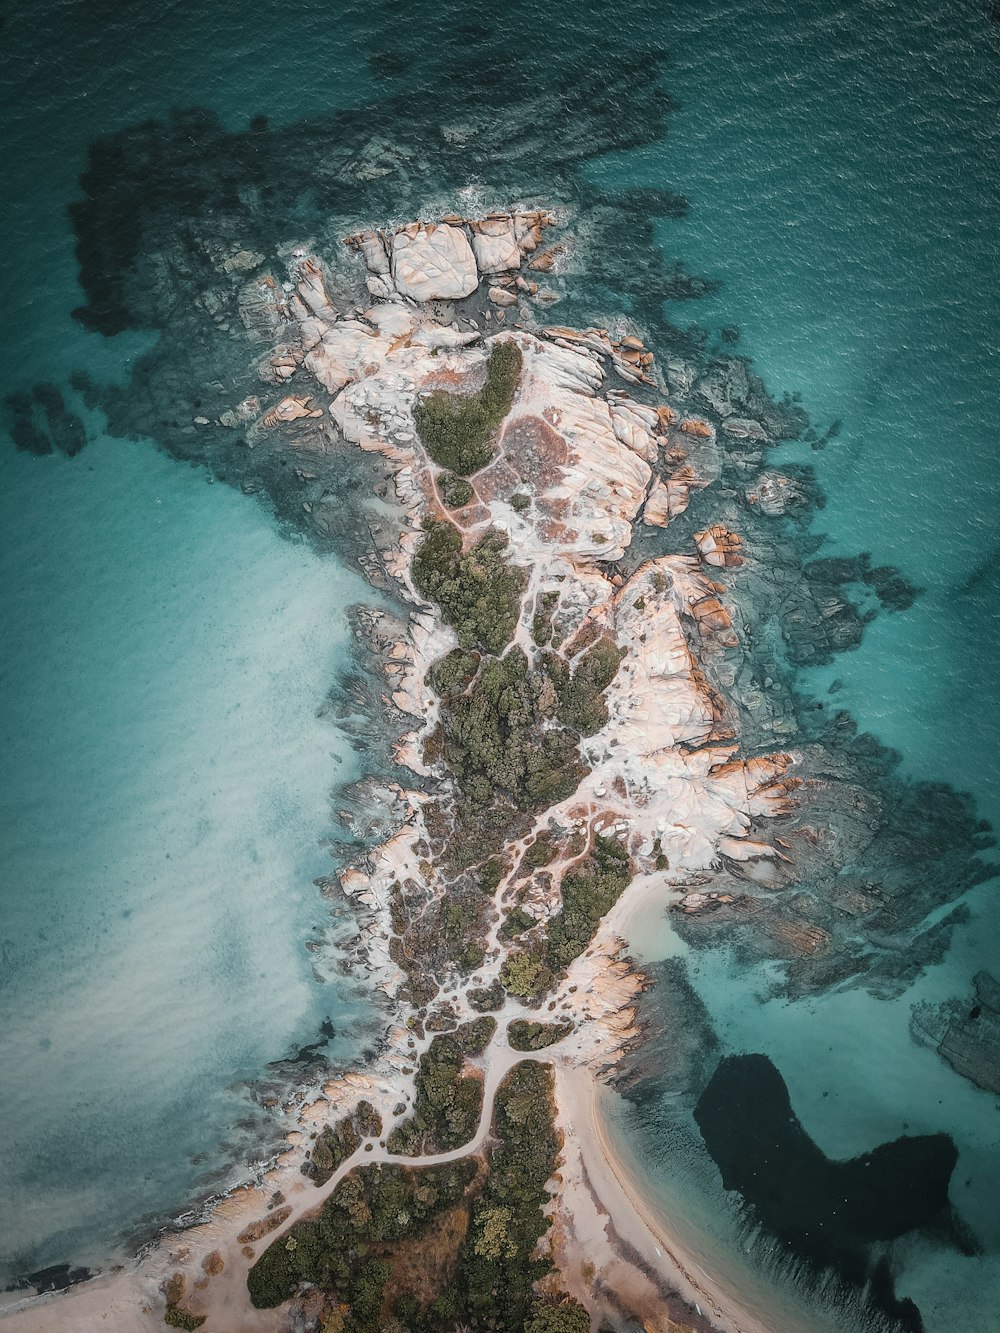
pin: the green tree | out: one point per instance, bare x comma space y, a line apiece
569, 1316
478, 592
457, 429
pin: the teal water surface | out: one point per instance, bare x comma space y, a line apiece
842, 170
841, 167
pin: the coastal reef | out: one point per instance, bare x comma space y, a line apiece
834, 1216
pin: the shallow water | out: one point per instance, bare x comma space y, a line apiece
841, 167
167, 788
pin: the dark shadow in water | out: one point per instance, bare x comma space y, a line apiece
831, 1215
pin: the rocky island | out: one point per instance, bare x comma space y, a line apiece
587, 725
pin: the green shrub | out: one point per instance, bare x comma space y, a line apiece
589, 891
525, 1036
333, 1145
448, 1104
484, 998
491, 872
367, 1120
473, 1038
525, 974
581, 705
478, 592
494, 742
455, 492
456, 429
517, 922
541, 625
543, 850
181, 1319
568, 1316
453, 672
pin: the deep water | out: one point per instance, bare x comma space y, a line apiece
814, 188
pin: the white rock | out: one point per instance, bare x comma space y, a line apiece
495, 245
373, 250
344, 354
380, 288
433, 262
433, 335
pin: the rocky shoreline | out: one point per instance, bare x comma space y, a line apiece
580, 549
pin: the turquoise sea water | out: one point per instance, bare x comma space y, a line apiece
167, 783
167, 788
842, 170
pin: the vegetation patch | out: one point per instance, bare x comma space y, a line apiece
543, 629
589, 891
562, 1316
495, 741
526, 974
580, 704
497, 1271
429, 1249
336, 1142
448, 1103
345, 1250
486, 998
517, 922
333, 1145
433, 937
455, 491
457, 429
491, 872
478, 592
176, 1318
525, 1036
540, 853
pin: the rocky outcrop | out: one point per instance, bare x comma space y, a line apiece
494, 243
433, 262
720, 547
774, 494
290, 409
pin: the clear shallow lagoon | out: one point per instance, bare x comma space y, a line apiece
842, 170
167, 787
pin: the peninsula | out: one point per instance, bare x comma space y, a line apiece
561, 702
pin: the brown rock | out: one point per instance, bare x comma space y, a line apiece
290, 409
720, 547
695, 426
544, 261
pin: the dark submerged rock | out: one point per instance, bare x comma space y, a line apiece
833, 1214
